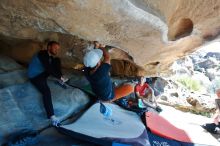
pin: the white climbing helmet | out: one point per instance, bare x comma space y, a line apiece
92, 57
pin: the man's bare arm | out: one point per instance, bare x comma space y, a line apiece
106, 55
138, 95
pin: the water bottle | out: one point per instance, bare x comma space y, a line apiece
141, 104
106, 111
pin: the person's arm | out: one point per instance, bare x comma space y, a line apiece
138, 95
106, 55
152, 96
149, 104
147, 96
157, 107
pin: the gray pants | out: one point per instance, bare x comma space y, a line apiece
150, 99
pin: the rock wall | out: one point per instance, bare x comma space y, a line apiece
148, 30
21, 103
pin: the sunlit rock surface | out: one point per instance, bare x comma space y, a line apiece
148, 30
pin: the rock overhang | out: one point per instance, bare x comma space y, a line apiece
151, 33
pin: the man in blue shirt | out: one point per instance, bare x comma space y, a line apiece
42, 65
98, 74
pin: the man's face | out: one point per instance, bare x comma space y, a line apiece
54, 49
97, 44
143, 80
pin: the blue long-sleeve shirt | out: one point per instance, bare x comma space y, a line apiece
43, 62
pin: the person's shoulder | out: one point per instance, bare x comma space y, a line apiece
43, 52
146, 85
137, 86
106, 65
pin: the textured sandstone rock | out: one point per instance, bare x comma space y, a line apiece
182, 27
21, 104
12, 78
7, 65
138, 27
22, 107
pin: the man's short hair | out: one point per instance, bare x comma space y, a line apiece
95, 42
51, 43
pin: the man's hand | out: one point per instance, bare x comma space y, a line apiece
55, 121
96, 44
101, 46
64, 79
108, 48
61, 82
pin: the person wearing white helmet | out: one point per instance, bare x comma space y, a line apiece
97, 71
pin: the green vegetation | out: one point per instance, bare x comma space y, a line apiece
190, 83
208, 114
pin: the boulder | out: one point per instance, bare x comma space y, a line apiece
159, 85
176, 95
213, 55
208, 63
22, 107
141, 28
12, 78
212, 73
8, 64
192, 101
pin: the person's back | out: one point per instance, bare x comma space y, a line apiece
35, 66
100, 81
98, 74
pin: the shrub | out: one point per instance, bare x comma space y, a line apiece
190, 83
